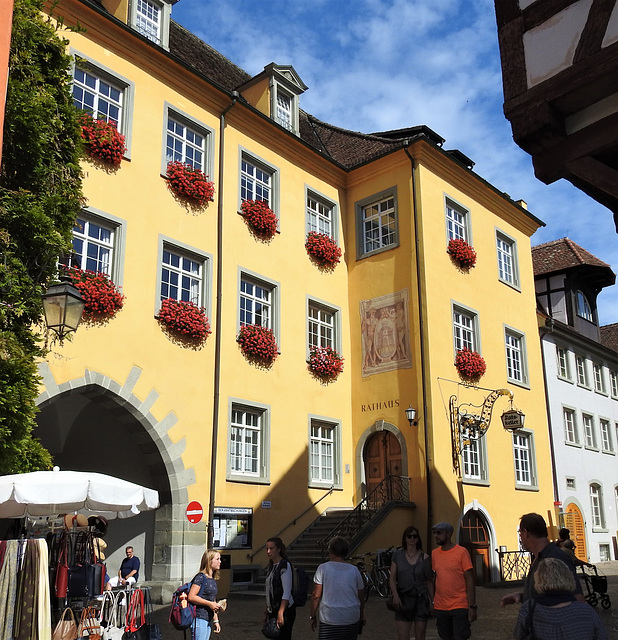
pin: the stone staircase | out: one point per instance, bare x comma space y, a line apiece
305, 552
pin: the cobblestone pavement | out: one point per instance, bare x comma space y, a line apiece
242, 619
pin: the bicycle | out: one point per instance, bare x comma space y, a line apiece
378, 578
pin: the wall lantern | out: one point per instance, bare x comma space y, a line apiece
513, 419
63, 306
411, 415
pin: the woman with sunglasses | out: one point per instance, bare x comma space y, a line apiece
412, 586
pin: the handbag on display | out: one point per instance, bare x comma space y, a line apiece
154, 631
112, 617
62, 570
136, 628
89, 624
65, 629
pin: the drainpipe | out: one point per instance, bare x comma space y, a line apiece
421, 322
219, 312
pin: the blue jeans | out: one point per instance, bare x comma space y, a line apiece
202, 629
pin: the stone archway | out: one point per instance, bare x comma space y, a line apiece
94, 423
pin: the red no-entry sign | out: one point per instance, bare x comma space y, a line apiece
194, 512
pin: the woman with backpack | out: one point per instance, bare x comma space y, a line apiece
203, 594
279, 599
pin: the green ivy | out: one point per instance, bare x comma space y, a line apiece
40, 198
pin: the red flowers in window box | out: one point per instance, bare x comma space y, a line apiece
470, 365
462, 253
102, 297
102, 139
188, 183
260, 217
323, 249
325, 363
258, 344
184, 318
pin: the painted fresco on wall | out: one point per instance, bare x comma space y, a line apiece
385, 333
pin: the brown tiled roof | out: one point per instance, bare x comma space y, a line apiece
562, 254
609, 336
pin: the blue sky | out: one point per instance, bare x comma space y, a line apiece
374, 65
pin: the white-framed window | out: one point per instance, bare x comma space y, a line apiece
590, 439
98, 244
596, 506
606, 436
604, 554
613, 383
524, 460
583, 307
465, 329
516, 365
93, 245
377, 222
599, 378
457, 221
148, 19
570, 426
182, 276
582, 371
570, 483
256, 302
324, 452
103, 94
248, 445
506, 249
322, 325
258, 180
320, 215
184, 144
283, 111
474, 461
562, 357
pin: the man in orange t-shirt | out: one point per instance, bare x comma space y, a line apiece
455, 597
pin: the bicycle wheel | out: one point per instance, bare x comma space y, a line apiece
366, 583
382, 582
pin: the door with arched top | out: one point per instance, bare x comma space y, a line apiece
381, 457
474, 536
574, 522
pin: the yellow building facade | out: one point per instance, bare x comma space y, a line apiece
266, 449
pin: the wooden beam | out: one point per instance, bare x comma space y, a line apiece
596, 174
594, 31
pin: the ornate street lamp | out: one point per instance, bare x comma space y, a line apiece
63, 305
411, 416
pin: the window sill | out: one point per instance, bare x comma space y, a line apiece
248, 480
584, 386
323, 486
525, 487
573, 444
368, 254
595, 449
524, 384
600, 530
565, 379
601, 392
475, 482
513, 285
608, 452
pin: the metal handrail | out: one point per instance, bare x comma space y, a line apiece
392, 488
250, 556
514, 565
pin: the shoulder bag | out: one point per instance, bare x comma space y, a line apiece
66, 628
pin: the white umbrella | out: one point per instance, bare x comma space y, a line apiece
48, 493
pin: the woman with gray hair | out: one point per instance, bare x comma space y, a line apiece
339, 595
555, 614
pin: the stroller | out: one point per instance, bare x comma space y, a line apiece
596, 587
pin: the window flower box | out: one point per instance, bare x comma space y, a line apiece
258, 344
470, 365
325, 363
185, 319
102, 297
260, 218
323, 249
102, 139
462, 253
188, 183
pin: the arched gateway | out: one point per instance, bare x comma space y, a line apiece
94, 423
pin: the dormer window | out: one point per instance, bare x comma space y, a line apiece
151, 18
284, 109
148, 20
583, 307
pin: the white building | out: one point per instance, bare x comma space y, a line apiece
581, 374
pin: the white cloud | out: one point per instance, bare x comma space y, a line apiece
375, 65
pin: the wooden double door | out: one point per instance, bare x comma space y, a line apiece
474, 536
381, 457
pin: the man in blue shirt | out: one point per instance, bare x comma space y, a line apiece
128, 572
